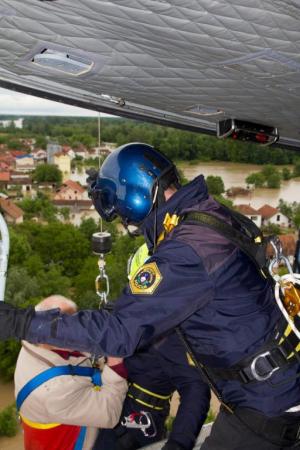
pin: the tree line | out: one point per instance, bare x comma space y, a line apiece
177, 144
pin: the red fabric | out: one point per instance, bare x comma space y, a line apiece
65, 354
62, 437
120, 369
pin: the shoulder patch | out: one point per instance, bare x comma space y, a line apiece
146, 279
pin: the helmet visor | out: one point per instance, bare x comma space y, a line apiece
104, 201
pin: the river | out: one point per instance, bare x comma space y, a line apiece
233, 175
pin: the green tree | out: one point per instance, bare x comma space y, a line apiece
41, 207
256, 178
268, 170
8, 421
274, 180
47, 172
21, 287
88, 227
296, 172
9, 351
215, 185
286, 174
65, 212
20, 248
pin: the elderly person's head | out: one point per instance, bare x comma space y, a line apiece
66, 305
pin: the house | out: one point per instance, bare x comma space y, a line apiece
4, 166
11, 212
288, 242
25, 163
17, 153
52, 149
39, 156
4, 179
251, 213
63, 162
79, 210
20, 181
71, 190
81, 151
271, 215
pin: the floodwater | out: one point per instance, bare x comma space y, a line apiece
234, 174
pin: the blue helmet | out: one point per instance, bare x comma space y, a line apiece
125, 185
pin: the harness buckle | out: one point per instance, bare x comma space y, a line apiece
254, 370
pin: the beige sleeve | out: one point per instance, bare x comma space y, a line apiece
74, 401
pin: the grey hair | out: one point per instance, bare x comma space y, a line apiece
56, 301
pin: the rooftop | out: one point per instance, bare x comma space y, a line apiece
267, 211
10, 208
247, 210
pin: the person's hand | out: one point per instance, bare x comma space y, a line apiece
172, 445
114, 361
14, 322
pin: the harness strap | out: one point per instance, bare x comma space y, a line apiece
47, 375
147, 398
254, 247
271, 357
80, 439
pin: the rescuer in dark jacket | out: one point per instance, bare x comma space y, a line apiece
195, 278
153, 375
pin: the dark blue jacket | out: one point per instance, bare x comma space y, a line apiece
209, 286
164, 368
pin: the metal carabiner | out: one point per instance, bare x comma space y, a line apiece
278, 258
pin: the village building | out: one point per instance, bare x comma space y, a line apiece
8, 159
20, 181
11, 212
25, 163
79, 210
4, 166
251, 213
4, 179
272, 216
71, 190
80, 151
52, 149
63, 162
39, 156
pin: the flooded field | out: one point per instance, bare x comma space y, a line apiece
234, 174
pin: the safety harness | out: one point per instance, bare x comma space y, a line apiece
283, 346
48, 374
148, 398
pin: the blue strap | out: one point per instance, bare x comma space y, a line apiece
80, 439
51, 373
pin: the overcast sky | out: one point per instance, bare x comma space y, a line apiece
15, 103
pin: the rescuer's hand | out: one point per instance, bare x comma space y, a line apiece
114, 361
172, 445
14, 322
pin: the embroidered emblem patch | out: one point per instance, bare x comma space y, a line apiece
146, 279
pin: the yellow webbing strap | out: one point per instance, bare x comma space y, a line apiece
151, 394
285, 335
39, 426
